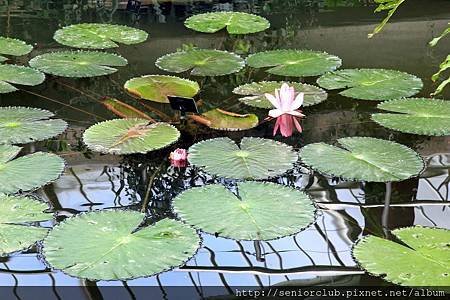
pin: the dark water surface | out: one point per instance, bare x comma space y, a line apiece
321, 254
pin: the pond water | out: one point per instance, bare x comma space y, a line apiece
318, 255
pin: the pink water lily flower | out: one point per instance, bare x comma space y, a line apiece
178, 158
286, 110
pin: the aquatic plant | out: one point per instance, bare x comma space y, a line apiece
10, 75
13, 47
178, 158
220, 119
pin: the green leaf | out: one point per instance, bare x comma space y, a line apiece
15, 212
444, 66
126, 136
434, 41
99, 36
13, 47
416, 115
158, 87
253, 159
255, 91
424, 263
296, 63
105, 245
235, 22
124, 110
264, 211
12, 74
391, 6
372, 84
363, 158
27, 172
223, 120
78, 64
21, 125
201, 62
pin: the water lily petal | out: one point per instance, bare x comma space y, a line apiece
297, 124
275, 101
298, 101
275, 113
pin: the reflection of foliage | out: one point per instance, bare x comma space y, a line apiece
445, 65
389, 5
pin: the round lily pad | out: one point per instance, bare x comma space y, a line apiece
99, 36
224, 120
78, 64
15, 214
255, 158
20, 125
105, 245
363, 158
372, 84
296, 63
12, 74
127, 136
254, 93
255, 211
158, 87
27, 172
13, 47
416, 115
234, 22
201, 62
423, 261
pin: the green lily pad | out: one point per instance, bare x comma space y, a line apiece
234, 22
416, 115
99, 36
254, 159
12, 74
255, 91
363, 158
201, 62
424, 263
78, 64
127, 136
105, 245
15, 213
13, 47
264, 211
20, 125
223, 120
27, 172
372, 84
296, 63
158, 87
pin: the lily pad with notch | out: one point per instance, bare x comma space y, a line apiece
220, 119
16, 214
20, 125
13, 47
78, 64
11, 75
99, 36
252, 159
158, 87
363, 158
416, 115
254, 93
234, 22
372, 84
296, 63
27, 172
111, 245
127, 136
255, 211
201, 62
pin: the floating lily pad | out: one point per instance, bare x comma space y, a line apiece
234, 22
158, 87
126, 136
255, 91
124, 110
201, 62
224, 120
372, 84
255, 158
296, 63
424, 262
13, 47
15, 213
99, 36
78, 63
363, 158
263, 211
20, 125
27, 172
416, 115
105, 245
12, 74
